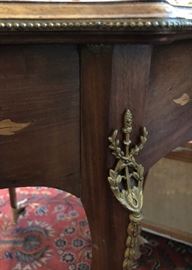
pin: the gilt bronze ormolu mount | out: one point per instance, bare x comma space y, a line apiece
126, 181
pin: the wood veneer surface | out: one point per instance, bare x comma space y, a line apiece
40, 86
12, 10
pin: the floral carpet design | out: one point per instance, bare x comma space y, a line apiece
53, 234
164, 254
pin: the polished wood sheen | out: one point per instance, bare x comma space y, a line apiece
38, 88
182, 153
79, 22
102, 105
68, 72
169, 124
89, 10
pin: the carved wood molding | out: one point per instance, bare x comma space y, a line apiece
129, 16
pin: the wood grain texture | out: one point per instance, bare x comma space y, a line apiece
182, 153
89, 37
95, 91
40, 86
169, 124
115, 78
130, 21
109, 79
36, 10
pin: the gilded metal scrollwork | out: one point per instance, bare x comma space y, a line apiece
126, 182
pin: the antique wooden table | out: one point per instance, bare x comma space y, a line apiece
69, 73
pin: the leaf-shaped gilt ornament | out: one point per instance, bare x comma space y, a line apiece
8, 127
126, 182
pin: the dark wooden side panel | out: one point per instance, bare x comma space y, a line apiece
95, 93
39, 85
112, 80
168, 120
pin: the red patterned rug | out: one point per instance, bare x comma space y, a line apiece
53, 233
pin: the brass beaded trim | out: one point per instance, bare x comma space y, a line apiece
97, 25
